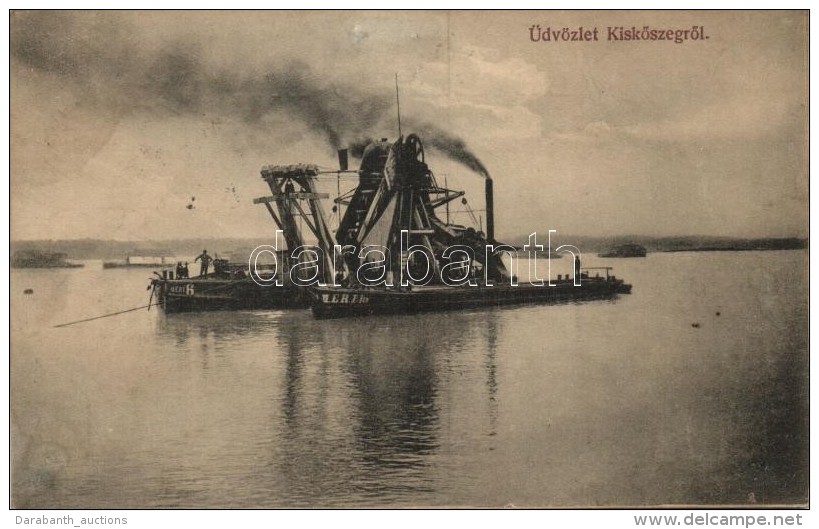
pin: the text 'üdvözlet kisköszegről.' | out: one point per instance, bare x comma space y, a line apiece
538, 33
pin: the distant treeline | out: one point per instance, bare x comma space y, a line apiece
692, 243
116, 250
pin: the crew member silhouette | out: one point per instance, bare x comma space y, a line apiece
206, 259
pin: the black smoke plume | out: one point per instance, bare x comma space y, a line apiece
452, 146
100, 56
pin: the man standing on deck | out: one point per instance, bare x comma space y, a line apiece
206, 259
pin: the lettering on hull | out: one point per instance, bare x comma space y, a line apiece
184, 290
345, 299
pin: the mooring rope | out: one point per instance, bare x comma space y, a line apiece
148, 306
106, 315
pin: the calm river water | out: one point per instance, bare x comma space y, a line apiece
603, 403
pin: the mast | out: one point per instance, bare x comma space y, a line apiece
398, 104
446, 185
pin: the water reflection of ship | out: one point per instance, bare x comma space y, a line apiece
357, 413
393, 384
395, 388
220, 327
382, 392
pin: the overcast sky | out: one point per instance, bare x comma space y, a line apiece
119, 119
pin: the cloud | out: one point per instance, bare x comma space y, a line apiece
222, 94
477, 92
739, 118
475, 76
176, 79
742, 118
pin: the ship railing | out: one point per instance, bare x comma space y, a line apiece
606, 268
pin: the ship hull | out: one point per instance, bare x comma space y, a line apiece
340, 302
199, 295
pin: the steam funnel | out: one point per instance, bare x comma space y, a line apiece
490, 210
342, 159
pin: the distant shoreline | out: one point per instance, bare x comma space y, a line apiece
90, 249
678, 250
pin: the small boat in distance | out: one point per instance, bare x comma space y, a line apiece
39, 259
625, 250
141, 262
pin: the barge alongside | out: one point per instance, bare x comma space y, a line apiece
202, 294
248, 286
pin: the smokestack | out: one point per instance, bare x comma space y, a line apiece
490, 211
342, 159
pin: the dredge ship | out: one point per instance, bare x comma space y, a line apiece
395, 208
390, 231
